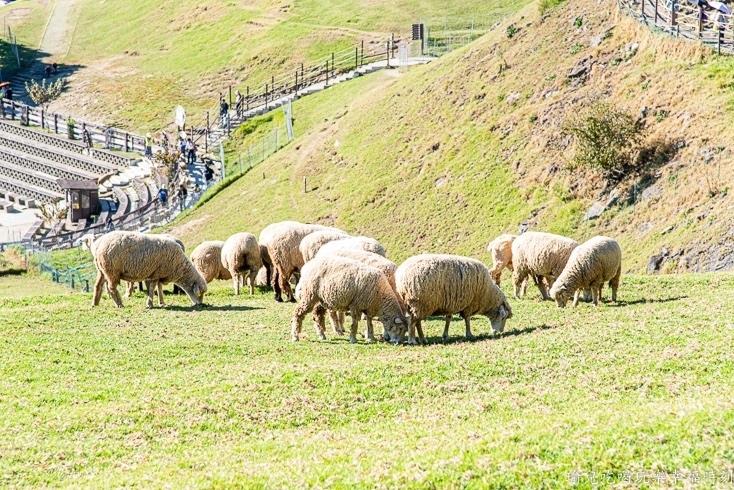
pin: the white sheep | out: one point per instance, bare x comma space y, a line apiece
132, 256
354, 243
386, 266
312, 242
280, 253
591, 264
241, 254
207, 258
541, 256
501, 251
441, 284
342, 284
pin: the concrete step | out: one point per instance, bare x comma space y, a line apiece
29, 191
57, 169
34, 177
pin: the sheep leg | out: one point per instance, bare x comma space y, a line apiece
595, 294
318, 315
467, 321
275, 283
150, 287
446, 328
306, 305
336, 324
236, 283
369, 332
355, 325
411, 330
517, 280
98, 285
251, 278
112, 284
285, 286
576, 297
130, 289
614, 283
161, 301
541, 287
421, 337
268, 272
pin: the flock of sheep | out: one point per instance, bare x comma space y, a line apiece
337, 274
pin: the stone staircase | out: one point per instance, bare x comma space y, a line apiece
35, 71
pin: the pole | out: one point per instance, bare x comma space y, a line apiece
674, 14
361, 62
700, 21
356, 58
295, 85
304, 185
56, 123
230, 96
332, 64
327, 73
266, 96
655, 20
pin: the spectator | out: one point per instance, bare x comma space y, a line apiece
148, 145
163, 195
48, 71
190, 152
55, 67
182, 146
87, 138
223, 111
9, 93
108, 137
238, 101
182, 194
165, 142
108, 224
208, 173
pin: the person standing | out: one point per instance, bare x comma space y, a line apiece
223, 111
9, 93
238, 103
182, 194
190, 152
148, 145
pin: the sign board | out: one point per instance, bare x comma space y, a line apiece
417, 31
179, 116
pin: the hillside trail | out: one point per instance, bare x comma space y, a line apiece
325, 133
57, 36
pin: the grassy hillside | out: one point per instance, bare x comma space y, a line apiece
221, 398
27, 20
140, 58
459, 151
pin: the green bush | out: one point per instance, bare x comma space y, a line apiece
546, 5
607, 139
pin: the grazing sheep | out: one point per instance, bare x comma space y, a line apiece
133, 256
440, 284
240, 254
354, 243
386, 266
312, 242
541, 256
207, 258
501, 250
342, 284
279, 250
591, 264
131, 285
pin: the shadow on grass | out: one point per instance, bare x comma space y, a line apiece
621, 303
486, 336
206, 307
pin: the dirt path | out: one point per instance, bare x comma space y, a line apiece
57, 36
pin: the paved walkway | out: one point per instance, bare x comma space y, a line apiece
57, 36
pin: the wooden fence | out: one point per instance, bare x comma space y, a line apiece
290, 83
683, 19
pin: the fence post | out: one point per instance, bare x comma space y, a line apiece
304, 185
127, 141
674, 13
12, 110
206, 135
302, 73
56, 123
655, 20
230, 96
356, 58
327, 73
718, 38
333, 71
361, 61
295, 85
42, 126
247, 100
642, 10
266, 96
272, 87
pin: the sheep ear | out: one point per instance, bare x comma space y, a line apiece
398, 321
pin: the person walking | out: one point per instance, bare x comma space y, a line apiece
108, 137
163, 196
87, 138
223, 111
190, 152
238, 103
9, 93
149, 145
182, 194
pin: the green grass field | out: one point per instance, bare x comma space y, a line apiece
219, 397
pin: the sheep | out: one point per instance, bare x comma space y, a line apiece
280, 253
240, 254
591, 264
501, 250
386, 266
343, 284
541, 256
442, 284
207, 258
133, 256
312, 242
354, 243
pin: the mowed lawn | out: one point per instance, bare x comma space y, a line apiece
220, 397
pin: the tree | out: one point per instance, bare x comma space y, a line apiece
44, 94
607, 139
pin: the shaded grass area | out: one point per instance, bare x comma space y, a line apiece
26, 20
220, 397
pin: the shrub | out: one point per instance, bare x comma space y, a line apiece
607, 139
546, 5
511, 31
